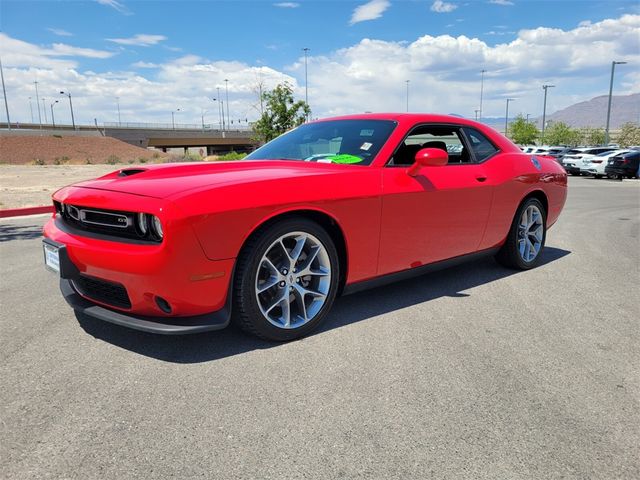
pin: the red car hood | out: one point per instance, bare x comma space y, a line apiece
162, 181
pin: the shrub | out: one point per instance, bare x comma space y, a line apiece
56, 136
88, 161
142, 160
156, 155
190, 157
113, 159
231, 156
37, 161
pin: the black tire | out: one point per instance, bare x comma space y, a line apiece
509, 255
246, 311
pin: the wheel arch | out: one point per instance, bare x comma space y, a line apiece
538, 195
327, 221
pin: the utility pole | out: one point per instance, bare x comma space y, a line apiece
38, 104
31, 110
44, 109
407, 82
73, 121
118, 104
544, 110
506, 116
226, 84
482, 72
606, 130
4, 92
476, 114
53, 119
306, 81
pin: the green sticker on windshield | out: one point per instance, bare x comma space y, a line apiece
345, 158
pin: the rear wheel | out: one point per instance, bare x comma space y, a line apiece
525, 241
286, 280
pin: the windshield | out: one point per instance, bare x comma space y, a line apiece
334, 141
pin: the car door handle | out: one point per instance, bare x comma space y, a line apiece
481, 179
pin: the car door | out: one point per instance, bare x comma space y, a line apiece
442, 212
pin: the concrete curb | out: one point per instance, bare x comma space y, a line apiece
20, 212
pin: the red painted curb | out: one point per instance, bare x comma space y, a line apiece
19, 212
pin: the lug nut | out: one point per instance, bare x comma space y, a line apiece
284, 271
282, 284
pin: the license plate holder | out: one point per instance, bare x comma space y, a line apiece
51, 257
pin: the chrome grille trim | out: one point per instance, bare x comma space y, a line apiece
118, 223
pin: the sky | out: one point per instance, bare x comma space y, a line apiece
152, 58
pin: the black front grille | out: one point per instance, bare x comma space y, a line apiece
102, 291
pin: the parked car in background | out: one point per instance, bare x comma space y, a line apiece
595, 164
572, 161
559, 152
623, 165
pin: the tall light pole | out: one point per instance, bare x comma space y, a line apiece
53, 119
544, 110
606, 130
44, 109
118, 105
482, 72
219, 114
173, 122
31, 110
306, 80
506, 116
407, 82
202, 112
528, 117
73, 120
38, 104
476, 113
4, 92
226, 85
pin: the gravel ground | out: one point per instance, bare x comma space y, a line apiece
477, 372
32, 185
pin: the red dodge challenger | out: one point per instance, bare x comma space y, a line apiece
331, 207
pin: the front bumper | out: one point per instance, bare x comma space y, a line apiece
154, 324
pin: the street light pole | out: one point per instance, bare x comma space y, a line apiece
476, 114
606, 130
407, 82
73, 120
544, 110
31, 110
118, 104
528, 117
173, 123
482, 72
202, 112
44, 109
506, 116
53, 119
38, 104
306, 80
4, 92
226, 84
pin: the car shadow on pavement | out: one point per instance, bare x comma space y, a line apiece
210, 346
19, 232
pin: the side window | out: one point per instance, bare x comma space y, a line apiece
445, 137
480, 145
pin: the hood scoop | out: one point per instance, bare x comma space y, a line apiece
131, 171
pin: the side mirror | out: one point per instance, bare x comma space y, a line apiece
428, 157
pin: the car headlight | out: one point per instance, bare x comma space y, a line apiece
143, 223
156, 226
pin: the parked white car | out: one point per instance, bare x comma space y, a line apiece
595, 164
572, 162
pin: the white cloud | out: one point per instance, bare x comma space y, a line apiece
141, 64
439, 6
369, 11
444, 71
504, 3
139, 40
115, 5
60, 32
287, 4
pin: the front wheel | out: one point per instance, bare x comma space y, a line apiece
286, 280
525, 241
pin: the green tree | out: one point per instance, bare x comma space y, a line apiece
592, 136
559, 133
523, 132
281, 113
629, 135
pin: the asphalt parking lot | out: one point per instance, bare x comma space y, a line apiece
476, 372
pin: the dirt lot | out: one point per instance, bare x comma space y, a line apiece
53, 150
32, 185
